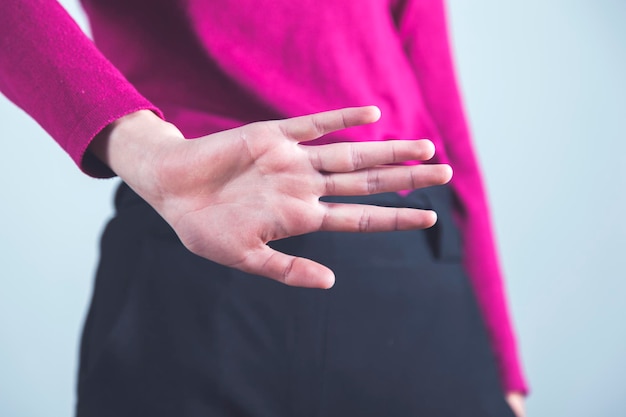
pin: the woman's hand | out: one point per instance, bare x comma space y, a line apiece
230, 193
516, 401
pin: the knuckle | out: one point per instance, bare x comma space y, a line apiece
373, 181
364, 221
356, 157
326, 221
344, 121
316, 159
329, 184
286, 273
284, 130
318, 126
413, 178
394, 156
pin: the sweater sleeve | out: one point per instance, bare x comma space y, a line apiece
423, 28
54, 72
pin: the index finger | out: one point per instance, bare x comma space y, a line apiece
313, 126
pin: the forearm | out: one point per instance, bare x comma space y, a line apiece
55, 73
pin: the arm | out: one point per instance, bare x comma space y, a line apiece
230, 193
49, 68
423, 28
226, 195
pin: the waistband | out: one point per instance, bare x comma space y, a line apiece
444, 237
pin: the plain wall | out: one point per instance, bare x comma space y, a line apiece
544, 87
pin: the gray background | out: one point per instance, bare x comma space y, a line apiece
544, 87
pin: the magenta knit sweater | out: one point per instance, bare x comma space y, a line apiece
212, 65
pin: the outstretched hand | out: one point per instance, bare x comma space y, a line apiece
228, 194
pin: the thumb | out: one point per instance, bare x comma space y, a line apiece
290, 270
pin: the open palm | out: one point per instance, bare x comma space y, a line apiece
230, 193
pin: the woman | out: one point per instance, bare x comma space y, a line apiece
170, 332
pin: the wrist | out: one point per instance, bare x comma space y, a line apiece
123, 142
133, 144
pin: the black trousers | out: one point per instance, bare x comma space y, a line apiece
172, 334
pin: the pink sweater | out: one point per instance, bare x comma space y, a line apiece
208, 66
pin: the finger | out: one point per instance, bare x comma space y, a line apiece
351, 156
290, 270
386, 179
364, 218
313, 126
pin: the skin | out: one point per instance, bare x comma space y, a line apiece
516, 401
259, 183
